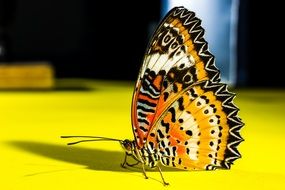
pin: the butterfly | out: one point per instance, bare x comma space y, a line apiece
182, 115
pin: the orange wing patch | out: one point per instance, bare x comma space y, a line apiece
195, 131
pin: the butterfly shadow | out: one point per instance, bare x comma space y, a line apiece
91, 158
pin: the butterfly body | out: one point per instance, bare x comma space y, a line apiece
143, 155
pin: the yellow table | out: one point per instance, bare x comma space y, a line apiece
32, 155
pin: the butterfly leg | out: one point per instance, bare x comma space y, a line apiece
123, 165
143, 169
164, 182
132, 165
125, 161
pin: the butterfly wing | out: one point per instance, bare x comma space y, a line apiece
199, 130
176, 58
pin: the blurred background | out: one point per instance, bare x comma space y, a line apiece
103, 40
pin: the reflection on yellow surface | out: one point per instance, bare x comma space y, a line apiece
33, 156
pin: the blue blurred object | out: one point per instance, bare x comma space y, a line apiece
219, 19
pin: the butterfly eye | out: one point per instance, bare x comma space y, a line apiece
127, 145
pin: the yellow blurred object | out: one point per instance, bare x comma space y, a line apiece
33, 156
36, 75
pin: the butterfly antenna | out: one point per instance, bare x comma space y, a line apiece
94, 138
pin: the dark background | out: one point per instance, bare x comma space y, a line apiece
107, 39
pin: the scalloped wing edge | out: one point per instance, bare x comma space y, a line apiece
235, 123
197, 32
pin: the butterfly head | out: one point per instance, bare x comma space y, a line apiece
128, 146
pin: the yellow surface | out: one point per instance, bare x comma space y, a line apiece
32, 155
